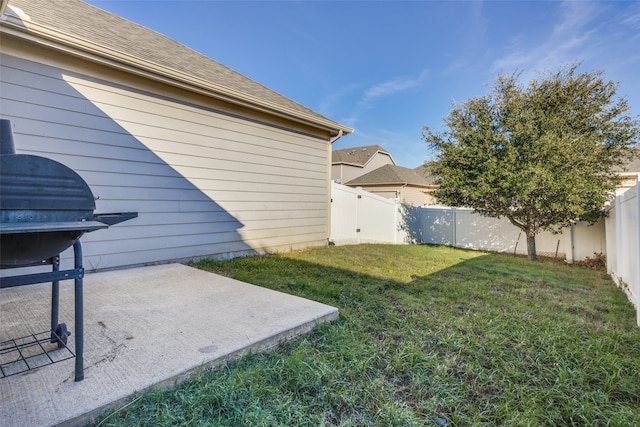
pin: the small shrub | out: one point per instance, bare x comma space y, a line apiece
598, 262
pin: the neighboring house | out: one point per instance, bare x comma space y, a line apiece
630, 173
215, 164
350, 163
396, 182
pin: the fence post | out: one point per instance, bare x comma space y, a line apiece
358, 198
568, 245
619, 239
395, 222
454, 228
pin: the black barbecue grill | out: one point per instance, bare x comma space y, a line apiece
45, 207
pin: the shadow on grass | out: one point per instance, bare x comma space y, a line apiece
426, 336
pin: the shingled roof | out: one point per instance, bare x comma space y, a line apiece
632, 165
426, 172
391, 175
357, 155
73, 24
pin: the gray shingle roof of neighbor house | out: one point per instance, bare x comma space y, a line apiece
391, 175
633, 165
425, 171
82, 28
357, 155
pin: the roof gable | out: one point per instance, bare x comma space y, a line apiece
358, 156
98, 32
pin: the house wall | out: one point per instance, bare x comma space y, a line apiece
629, 181
386, 191
415, 196
378, 160
345, 173
204, 180
408, 195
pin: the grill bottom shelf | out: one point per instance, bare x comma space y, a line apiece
33, 351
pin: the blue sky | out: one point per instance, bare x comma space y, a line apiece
386, 68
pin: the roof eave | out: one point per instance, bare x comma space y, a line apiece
378, 184
348, 164
82, 48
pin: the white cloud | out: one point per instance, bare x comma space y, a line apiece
603, 36
334, 100
574, 38
370, 96
392, 87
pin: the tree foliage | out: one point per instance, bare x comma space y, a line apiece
543, 155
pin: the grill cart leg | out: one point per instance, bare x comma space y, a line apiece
59, 332
55, 299
79, 314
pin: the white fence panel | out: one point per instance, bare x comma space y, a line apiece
623, 245
465, 229
475, 231
612, 229
438, 226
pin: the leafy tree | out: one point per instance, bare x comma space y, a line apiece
543, 156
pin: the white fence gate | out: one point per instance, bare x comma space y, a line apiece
358, 216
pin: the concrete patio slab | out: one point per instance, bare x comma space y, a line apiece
144, 327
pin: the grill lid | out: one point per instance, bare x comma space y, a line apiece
38, 183
44, 206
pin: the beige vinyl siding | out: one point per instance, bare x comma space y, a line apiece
376, 161
388, 193
205, 183
346, 173
415, 196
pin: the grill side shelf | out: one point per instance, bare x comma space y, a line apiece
43, 227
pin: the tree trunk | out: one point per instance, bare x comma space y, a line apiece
531, 247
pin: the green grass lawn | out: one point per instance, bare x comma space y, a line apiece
427, 336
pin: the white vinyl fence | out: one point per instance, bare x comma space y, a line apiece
358, 216
623, 245
463, 228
